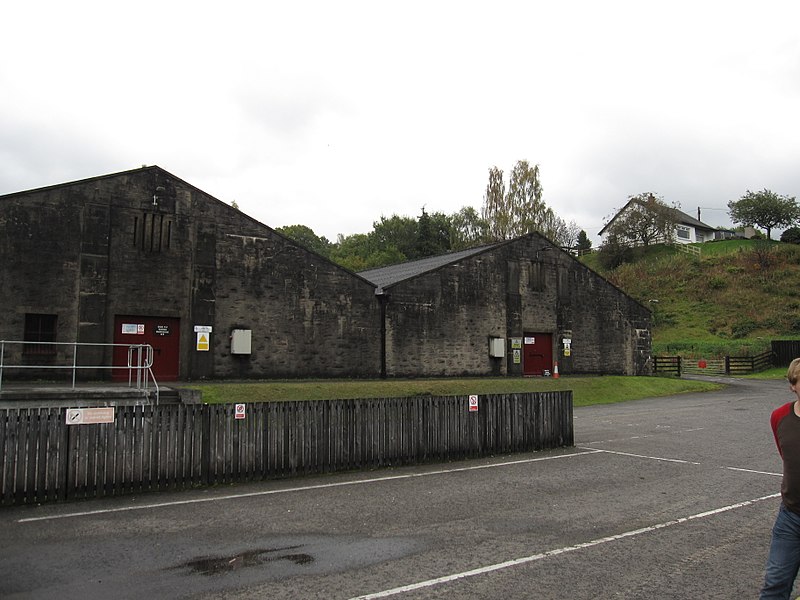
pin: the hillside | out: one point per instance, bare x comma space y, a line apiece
733, 299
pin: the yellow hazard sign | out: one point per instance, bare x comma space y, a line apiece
202, 341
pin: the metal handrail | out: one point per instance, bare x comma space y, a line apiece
140, 361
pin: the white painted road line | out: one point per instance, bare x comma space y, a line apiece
644, 436
535, 557
303, 488
659, 458
680, 461
753, 471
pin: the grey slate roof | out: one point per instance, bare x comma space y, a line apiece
386, 276
686, 219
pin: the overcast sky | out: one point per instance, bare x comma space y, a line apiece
334, 113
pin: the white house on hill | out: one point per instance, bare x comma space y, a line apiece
688, 230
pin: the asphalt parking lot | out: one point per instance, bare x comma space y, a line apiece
660, 498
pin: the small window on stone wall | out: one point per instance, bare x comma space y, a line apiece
538, 274
512, 281
152, 232
40, 328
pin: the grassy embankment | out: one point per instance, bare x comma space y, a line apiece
732, 300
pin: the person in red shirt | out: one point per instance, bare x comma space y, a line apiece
784, 551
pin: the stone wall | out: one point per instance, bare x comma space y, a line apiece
146, 243
40, 258
308, 317
439, 323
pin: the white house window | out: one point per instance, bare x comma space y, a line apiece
684, 233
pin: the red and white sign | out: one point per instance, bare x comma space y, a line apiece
133, 328
239, 412
473, 403
90, 416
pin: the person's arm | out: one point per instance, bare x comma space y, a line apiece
777, 415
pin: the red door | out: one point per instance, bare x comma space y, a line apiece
163, 334
537, 353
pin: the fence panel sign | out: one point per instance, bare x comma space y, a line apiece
90, 416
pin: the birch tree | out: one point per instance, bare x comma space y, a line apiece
519, 209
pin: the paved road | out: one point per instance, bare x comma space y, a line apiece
659, 498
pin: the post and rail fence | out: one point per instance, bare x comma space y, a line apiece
731, 366
176, 446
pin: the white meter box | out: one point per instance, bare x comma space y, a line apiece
241, 341
497, 347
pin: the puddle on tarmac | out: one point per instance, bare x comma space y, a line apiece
218, 565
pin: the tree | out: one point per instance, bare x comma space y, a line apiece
519, 209
558, 231
468, 229
360, 251
495, 211
791, 235
397, 231
427, 235
614, 252
571, 234
433, 235
306, 237
645, 220
524, 203
764, 209
584, 243
552, 227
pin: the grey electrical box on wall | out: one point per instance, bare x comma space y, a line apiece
241, 341
497, 347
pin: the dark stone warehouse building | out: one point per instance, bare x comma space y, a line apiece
144, 257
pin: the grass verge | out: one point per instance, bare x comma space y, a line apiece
586, 390
776, 373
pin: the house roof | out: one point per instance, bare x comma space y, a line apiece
165, 173
386, 276
680, 217
684, 219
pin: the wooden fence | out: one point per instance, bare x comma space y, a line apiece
727, 365
667, 365
169, 447
744, 365
785, 351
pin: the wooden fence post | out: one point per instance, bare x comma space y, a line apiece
205, 451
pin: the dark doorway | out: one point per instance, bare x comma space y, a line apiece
537, 353
163, 334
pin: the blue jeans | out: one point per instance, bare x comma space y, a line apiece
784, 556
